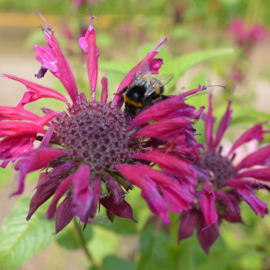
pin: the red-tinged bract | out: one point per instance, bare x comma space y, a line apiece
92, 154
222, 186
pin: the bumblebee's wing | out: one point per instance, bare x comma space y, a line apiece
142, 69
157, 81
163, 78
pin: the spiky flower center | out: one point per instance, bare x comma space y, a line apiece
218, 165
95, 134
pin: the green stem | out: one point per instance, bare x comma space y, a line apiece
83, 245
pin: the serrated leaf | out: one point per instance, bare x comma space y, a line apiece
184, 62
117, 66
21, 240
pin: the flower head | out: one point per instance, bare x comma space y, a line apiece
222, 186
246, 36
92, 153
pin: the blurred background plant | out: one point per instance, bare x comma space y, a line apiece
199, 30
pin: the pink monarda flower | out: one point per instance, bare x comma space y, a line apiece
246, 36
92, 153
218, 195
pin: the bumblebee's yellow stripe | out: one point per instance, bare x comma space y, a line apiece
157, 91
132, 102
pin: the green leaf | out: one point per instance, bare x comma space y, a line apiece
158, 250
114, 263
68, 238
184, 62
117, 66
121, 226
21, 240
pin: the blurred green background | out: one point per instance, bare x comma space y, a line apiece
126, 31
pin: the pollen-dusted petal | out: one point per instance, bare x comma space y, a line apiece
255, 132
260, 157
16, 113
82, 193
122, 209
166, 129
104, 91
13, 128
34, 160
188, 222
207, 205
37, 91
232, 209
223, 125
258, 206
63, 214
45, 189
60, 192
207, 236
209, 121
259, 174
130, 76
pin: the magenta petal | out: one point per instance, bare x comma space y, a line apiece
89, 46
165, 129
97, 193
224, 123
51, 57
259, 174
209, 121
160, 111
34, 160
260, 157
122, 209
207, 204
13, 147
47, 137
63, 214
249, 197
82, 193
188, 222
255, 132
45, 189
60, 192
104, 91
232, 209
16, 113
37, 91
129, 77
11, 128
207, 236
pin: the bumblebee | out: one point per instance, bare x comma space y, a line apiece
145, 89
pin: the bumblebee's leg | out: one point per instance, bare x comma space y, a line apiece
163, 97
122, 91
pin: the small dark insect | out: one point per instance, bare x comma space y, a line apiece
145, 89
